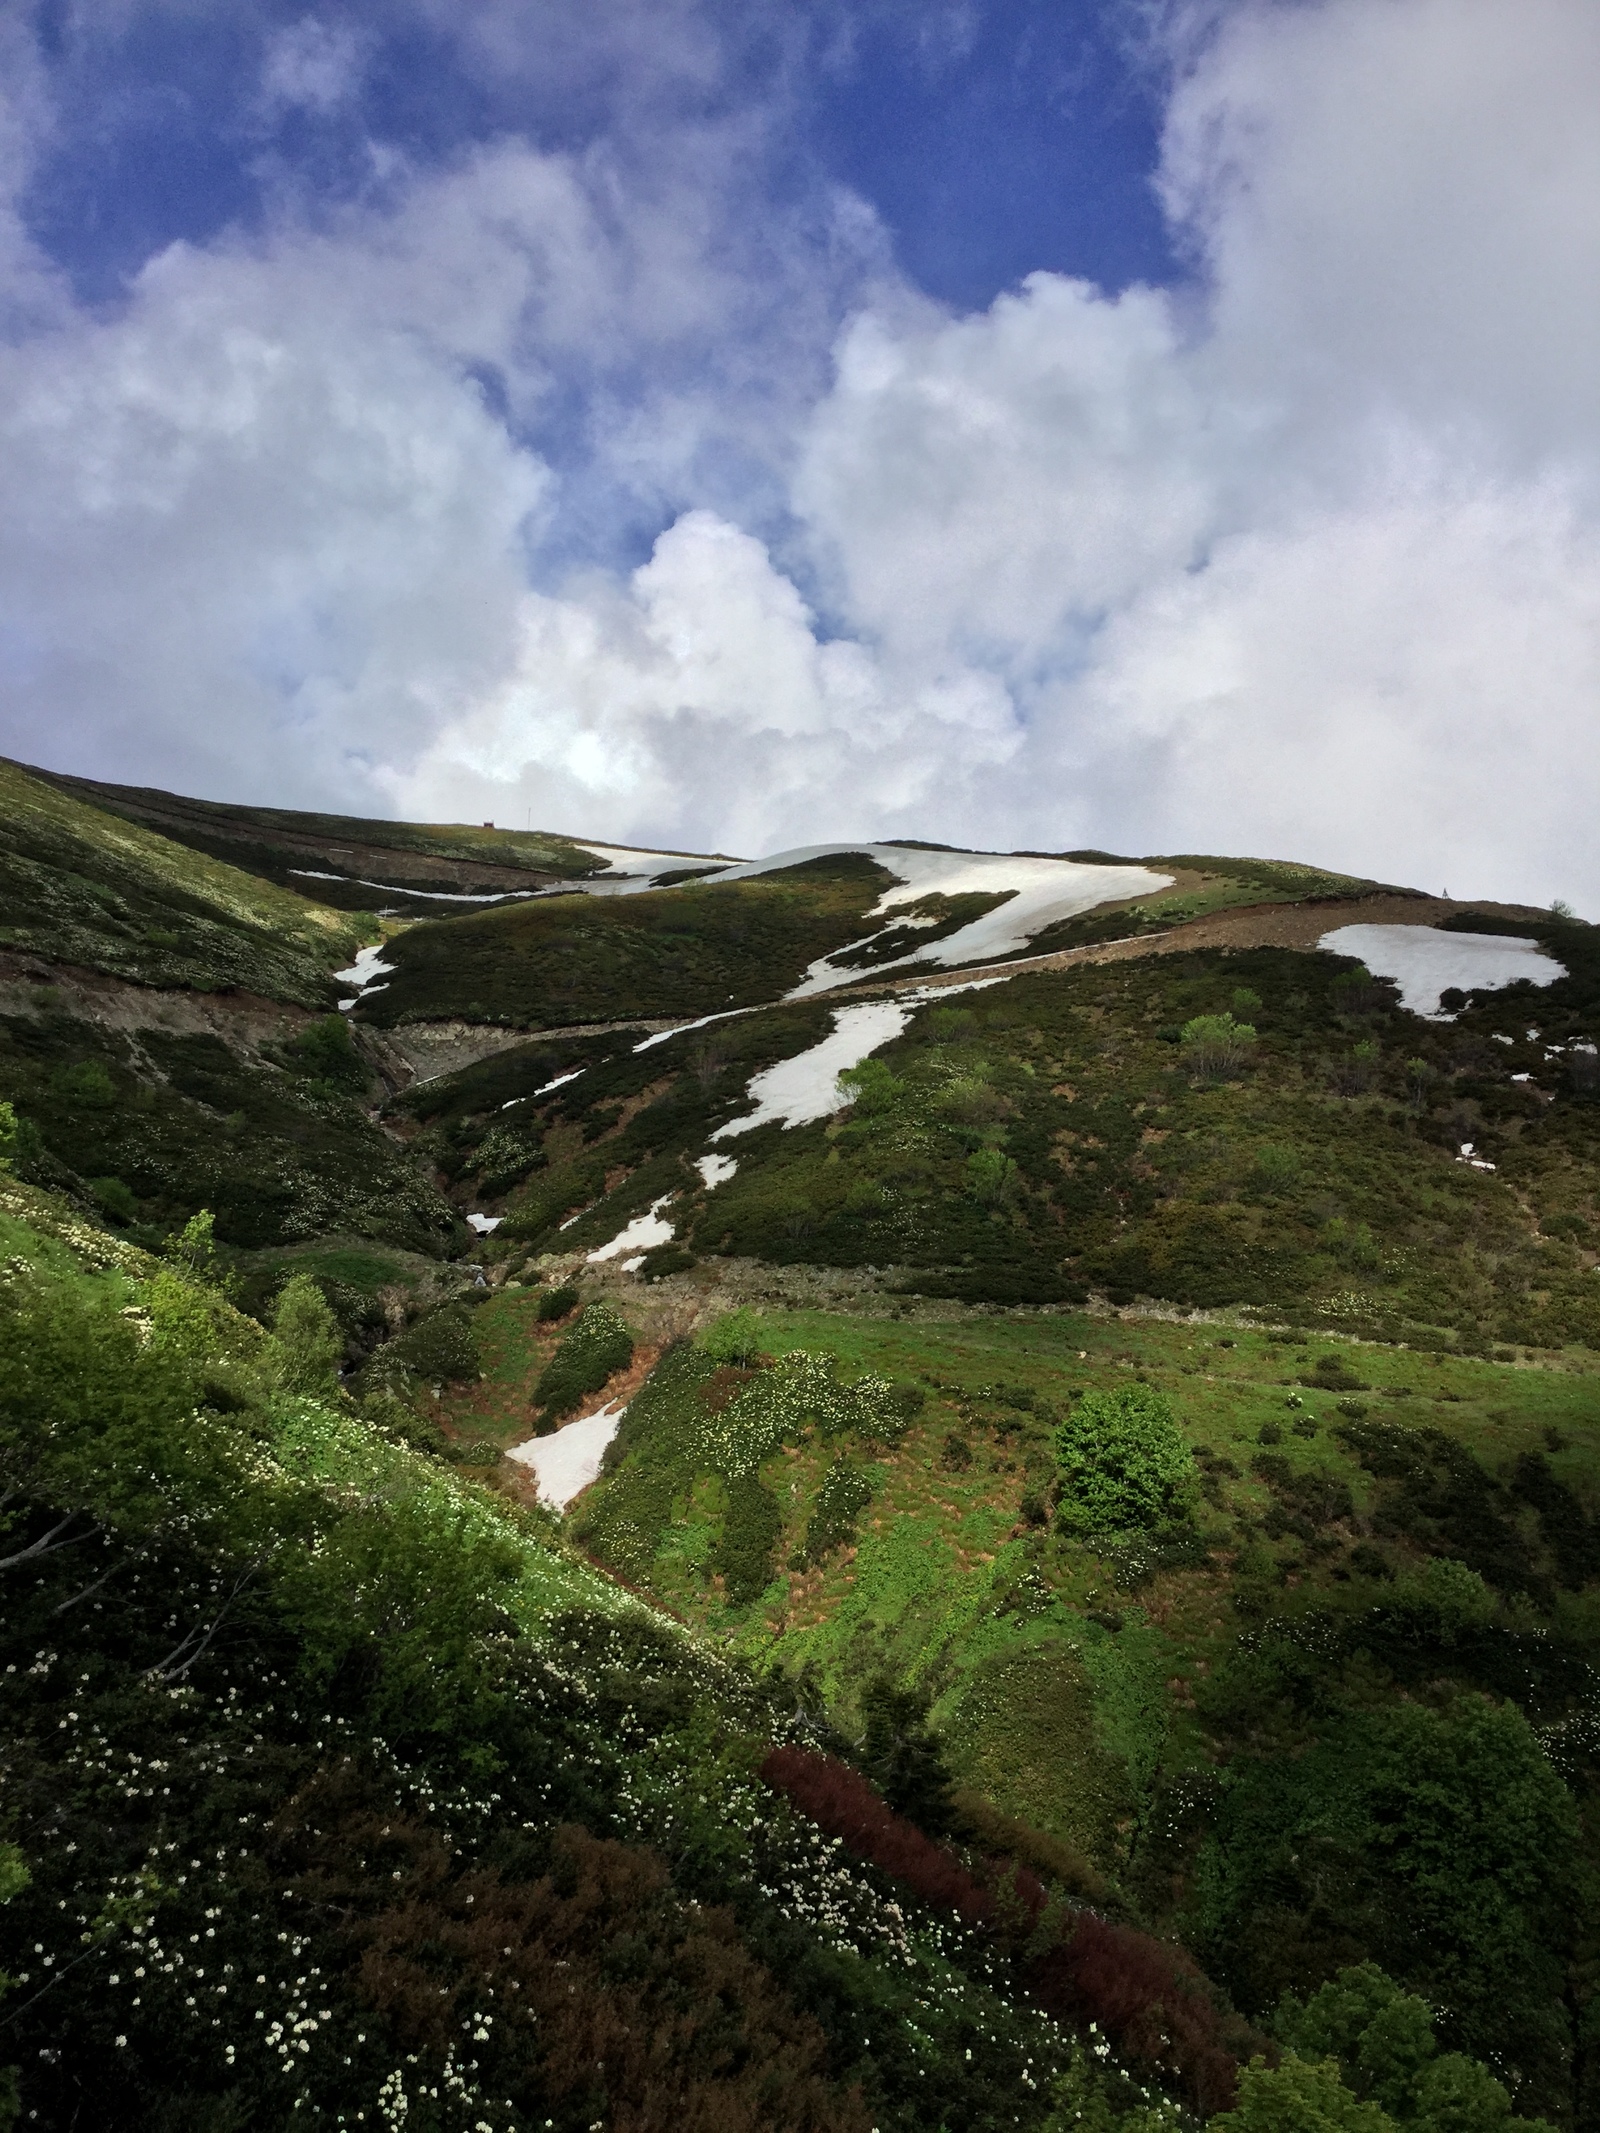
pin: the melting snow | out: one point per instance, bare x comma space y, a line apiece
642, 1234
483, 1224
1426, 962
798, 1090
568, 1459
716, 1170
1040, 891
363, 973
560, 1082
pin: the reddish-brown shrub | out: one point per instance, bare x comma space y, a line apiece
1146, 1995
842, 1802
612, 1997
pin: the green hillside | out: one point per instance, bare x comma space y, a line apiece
1088, 1618
80, 886
309, 852
689, 950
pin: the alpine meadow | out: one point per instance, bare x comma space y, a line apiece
875, 1488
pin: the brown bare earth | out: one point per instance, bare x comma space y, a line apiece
1263, 925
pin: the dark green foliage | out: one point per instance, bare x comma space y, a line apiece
844, 1493
1437, 1495
575, 959
649, 1465
596, 1348
1124, 1464
324, 1051
442, 1348
903, 1756
184, 1122
556, 1303
746, 1554
1383, 2041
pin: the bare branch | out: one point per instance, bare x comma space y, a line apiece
47, 1544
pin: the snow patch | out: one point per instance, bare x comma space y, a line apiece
1040, 891
363, 974
642, 1234
1425, 962
484, 1224
798, 1090
568, 1460
716, 1170
560, 1082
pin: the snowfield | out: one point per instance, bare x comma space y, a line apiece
642, 1234
1040, 892
568, 1459
798, 1090
1425, 962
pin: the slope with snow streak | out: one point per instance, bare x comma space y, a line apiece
798, 1090
1040, 892
1425, 961
568, 1460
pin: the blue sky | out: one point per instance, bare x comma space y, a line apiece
1153, 424
993, 141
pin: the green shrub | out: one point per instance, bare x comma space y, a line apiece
1215, 1046
1124, 1464
306, 1343
845, 1493
598, 1346
442, 1348
734, 1338
993, 1178
745, 1554
324, 1051
556, 1303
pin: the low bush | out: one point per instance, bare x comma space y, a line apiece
556, 1303
746, 1554
596, 1348
442, 1348
1124, 1464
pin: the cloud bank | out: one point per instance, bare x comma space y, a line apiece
639, 496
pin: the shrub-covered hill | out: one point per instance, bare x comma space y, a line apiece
327, 856
1325, 1697
83, 887
338, 1790
694, 949
1108, 1130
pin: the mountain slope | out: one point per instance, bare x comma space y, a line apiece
84, 887
1063, 1398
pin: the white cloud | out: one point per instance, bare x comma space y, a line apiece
311, 65
1305, 559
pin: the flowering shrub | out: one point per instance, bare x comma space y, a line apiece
598, 1346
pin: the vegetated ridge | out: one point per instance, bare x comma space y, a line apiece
1087, 1617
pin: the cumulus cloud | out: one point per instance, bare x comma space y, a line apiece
562, 486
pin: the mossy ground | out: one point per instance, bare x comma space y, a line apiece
692, 950
81, 886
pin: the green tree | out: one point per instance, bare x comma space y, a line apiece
306, 1345
1215, 1046
1301, 2096
1124, 1464
8, 1135
903, 1756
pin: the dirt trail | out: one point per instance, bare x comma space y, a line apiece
1264, 925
